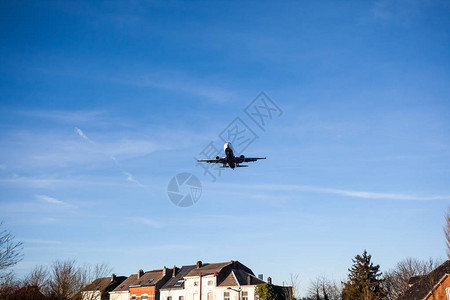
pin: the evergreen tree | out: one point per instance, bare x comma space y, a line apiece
364, 282
268, 291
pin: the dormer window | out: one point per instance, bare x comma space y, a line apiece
179, 283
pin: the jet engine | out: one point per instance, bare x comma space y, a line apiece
217, 157
242, 156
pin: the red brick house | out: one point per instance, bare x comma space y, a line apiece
434, 286
146, 285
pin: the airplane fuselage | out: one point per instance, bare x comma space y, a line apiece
229, 155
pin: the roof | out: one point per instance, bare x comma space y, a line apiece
149, 278
124, 286
413, 279
104, 285
426, 283
170, 284
207, 269
240, 277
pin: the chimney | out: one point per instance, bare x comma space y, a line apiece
269, 280
174, 273
140, 273
164, 271
261, 276
199, 264
249, 279
113, 277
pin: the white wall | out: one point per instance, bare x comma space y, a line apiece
119, 296
191, 291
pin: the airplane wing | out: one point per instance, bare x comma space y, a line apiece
213, 161
249, 159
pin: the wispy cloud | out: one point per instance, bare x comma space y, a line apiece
81, 134
145, 221
345, 192
53, 200
41, 242
129, 176
66, 116
47, 182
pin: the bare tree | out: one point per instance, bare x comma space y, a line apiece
396, 280
323, 288
10, 250
66, 280
294, 282
447, 232
8, 285
40, 278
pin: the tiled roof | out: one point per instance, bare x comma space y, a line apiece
209, 268
101, 284
124, 286
149, 278
426, 283
170, 284
240, 277
414, 279
243, 278
104, 285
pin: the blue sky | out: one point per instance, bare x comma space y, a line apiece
103, 103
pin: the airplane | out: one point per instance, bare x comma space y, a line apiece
230, 160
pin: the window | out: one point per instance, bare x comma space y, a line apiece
144, 297
210, 282
133, 297
181, 298
169, 298
244, 295
195, 283
226, 296
209, 297
179, 283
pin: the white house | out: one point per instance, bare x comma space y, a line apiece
99, 288
216, 281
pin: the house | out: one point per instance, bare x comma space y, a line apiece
142, 286
434, 286
99, 289
174, 287
122, 291
215, 281
147, 286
